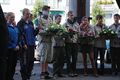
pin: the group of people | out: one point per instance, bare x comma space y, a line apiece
22, 36
66, 49
18, 40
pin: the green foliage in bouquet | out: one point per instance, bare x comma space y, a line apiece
107, 34
85, 39
56, 29
69, 33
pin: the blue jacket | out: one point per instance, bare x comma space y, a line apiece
27, 32
13, 36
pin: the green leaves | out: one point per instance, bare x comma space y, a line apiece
108, 33
37, 7
56, 29
96, 10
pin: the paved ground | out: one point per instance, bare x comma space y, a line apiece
36, 75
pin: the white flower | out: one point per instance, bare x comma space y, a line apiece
46, 29
52, 26
103, 29
109, 29
112, 32
104, 32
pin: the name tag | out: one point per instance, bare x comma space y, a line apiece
26, 27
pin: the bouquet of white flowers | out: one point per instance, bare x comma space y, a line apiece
108, 34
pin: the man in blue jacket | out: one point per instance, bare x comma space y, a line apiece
27, 36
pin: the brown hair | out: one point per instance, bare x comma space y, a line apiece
57, 16
83, 18
99, 17
70, 12
24, 10
9, 14
117, 15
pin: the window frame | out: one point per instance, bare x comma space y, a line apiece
4, 1
29, 2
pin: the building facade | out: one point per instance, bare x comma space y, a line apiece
110, 8
16, 6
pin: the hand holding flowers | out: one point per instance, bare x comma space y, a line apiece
108, 34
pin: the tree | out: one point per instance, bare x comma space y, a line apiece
96, 10
37, 7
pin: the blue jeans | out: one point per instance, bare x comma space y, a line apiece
101, 52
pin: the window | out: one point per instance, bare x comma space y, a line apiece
30, 2
108, 16
4, 1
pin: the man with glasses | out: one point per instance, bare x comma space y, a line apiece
27, 36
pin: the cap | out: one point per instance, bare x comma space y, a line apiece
45, 7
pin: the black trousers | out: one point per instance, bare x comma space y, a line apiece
11, 64
58, 60
3, 66
101, 52
26, 62
115, 56
71, 56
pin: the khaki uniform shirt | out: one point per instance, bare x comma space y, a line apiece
75, 27
115, 42
45, 23
90, 29
99, 42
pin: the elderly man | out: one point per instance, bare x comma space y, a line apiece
27, 35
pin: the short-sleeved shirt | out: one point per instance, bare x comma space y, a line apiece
74, 26
115, 42
99, 42
89, 30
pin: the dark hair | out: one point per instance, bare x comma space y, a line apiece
70, 12
40, 13
99, 17
89, 18
117, 15
57, 16
24, 10
45, 7
83, 18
